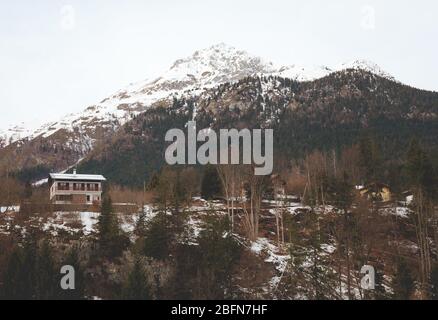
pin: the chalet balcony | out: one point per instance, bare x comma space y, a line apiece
79, 188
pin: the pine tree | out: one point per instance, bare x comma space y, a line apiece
403, 282
46, 274
339, 190
157, 238
21, 279
210, 185
13, 285
420, 170
170, 190
107, 222
370, 159
214, 260
136, 287
28, 269
110, 239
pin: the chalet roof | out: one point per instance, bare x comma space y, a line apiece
78, 177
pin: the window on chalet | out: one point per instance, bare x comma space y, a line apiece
67, 198
63, 186
78, 186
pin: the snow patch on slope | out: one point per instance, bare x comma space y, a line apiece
14, 133
300, 73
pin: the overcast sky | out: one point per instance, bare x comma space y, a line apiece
58, 57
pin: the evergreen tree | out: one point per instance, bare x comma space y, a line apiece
31, 273
158, 237
219, 252
311, 270
370, 159
170, 190
210, 185
107, 222
111, 239
13, 284
403, 282
46, 274
339, 190
205, 271
136, 287
28, 269
420, 170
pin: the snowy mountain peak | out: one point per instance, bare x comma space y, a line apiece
205, 68
212, 66
222, 56
368, 66
300, 73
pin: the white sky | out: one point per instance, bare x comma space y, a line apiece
51, 64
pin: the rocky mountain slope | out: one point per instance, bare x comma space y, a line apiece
325, 114
58, 145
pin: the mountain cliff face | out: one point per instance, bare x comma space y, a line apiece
208, 82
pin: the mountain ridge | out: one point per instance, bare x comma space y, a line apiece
59, 145
206, 68
331, 113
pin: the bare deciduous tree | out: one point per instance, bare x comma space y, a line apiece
255, 186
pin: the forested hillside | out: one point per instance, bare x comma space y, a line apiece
329, 114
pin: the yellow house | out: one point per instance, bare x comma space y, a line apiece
377, 192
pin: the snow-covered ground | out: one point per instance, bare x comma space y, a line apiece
5, 209
402, 212
88, 220
276, 256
